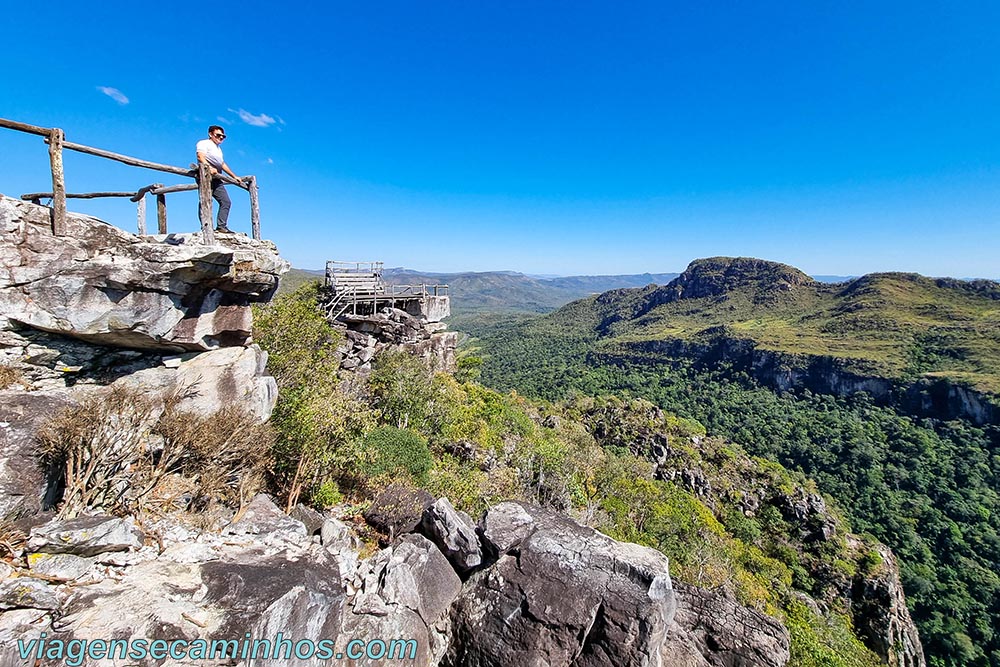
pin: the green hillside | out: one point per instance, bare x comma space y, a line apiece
897, 326
712, 346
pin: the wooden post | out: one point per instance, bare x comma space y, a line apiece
141, 215
58, 183
205, 202
254, 207
161, 213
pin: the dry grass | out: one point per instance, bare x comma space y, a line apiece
9, 375
97, 444
122, 451
227, 453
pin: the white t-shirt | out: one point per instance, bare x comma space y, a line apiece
211, 152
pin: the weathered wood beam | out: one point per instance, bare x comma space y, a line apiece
254, 207
161, 213
24, 127
131, 161
142, 191
58, 183
205, 203
161, 190
225, 178
76, 195
141, 215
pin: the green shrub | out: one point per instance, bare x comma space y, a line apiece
402, 387
327, 494
301, 344
392, 452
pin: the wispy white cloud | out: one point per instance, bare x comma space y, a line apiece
114, 93
270, 160
259, 120
224, 120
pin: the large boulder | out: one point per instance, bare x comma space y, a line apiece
105, 285
560, 594
23, 482
712, 629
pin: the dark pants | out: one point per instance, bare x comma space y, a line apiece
221, 196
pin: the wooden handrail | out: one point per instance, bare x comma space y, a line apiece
55, 138
24, 127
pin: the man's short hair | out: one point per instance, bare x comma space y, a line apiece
213, 128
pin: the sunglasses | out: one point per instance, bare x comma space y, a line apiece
219, 136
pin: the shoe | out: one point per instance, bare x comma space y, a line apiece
224, 230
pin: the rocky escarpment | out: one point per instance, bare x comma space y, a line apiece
103, 285
366, 336
939, 398
547, 592
98, 309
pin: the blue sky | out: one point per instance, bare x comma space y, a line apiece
544, 137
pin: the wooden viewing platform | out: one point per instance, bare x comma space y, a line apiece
357, 288
56, 140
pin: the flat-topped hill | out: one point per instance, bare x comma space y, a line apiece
896, 326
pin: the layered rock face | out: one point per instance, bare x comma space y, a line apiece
99, 307
103, 285
366, 336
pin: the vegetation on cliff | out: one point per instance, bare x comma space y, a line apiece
624, 467
926, 487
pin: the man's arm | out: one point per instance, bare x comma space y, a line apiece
225, 168
202, 159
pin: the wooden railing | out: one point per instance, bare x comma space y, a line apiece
56, 139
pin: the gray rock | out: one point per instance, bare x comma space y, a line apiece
505, 526
711, 629
105, 285
20, 624
59, 567
263, 519
407, 593
418, 577
86, 536
28, 593
881, 617
22, 482
211, 381
337, 536
263, 593
570, 596
454, 533
310, 518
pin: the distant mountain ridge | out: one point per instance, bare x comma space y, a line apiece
475, 293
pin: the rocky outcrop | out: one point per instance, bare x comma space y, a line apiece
711, 629
107, 286
560, 594
365, 336
880, 615
99, 308
551, 592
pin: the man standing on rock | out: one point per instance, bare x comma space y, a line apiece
209, 152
